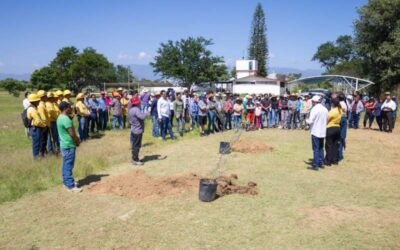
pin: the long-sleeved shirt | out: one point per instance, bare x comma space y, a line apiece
33, 114
145, 98
194, 107
153, 108
102, 104
357, 107
43, 112
93, 105
26, 103
318, 120
306, 106
116, 107
389, 105
178, 106
292, 104
163, 108
136, 119
52, 114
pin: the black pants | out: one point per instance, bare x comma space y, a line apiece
43, 141
379, 121
368, 117
387, 120
136, 143
332, 145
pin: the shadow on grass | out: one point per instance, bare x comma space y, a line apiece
147, 144
90, 179
96, 136
153, 158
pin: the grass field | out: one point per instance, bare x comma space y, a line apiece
355, 205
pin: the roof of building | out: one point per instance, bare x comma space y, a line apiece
256, 79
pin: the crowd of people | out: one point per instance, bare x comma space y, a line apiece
327, 117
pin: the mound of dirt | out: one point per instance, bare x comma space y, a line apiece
137, 184
250, 146
227, 186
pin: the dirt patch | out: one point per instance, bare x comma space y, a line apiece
227, 186
250, 146
137, 184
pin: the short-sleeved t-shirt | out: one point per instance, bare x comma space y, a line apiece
202, 105
63, 124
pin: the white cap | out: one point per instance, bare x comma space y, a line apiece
350, 97
316, 98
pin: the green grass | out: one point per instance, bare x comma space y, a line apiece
21, 175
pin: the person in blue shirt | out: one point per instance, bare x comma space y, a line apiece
154, 116
194, 111
94, 109
378, 113
103, 111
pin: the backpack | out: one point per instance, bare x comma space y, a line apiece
24, 116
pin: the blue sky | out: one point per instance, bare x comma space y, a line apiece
129, 32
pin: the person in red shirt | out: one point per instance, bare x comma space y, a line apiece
369, 112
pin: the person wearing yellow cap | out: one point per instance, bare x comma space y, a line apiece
60, 96
37, 124
45, 117
52, 114
67, 96
83, 117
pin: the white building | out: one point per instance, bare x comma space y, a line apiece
246, 68
247, 81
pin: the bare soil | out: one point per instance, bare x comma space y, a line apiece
227, 186
137, 184
250, 146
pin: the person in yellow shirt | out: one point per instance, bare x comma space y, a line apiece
60, 96
83, 114
52, 114
124, 103
37, 124
45, 117
333, 134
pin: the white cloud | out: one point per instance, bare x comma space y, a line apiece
142, 56
122, 56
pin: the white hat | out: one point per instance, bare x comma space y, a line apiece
350, 97
316, 98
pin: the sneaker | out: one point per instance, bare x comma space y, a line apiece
74, 190
137, 163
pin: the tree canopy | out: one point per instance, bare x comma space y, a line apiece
258, 49
189, 62
14, 87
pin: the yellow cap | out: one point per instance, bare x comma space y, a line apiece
67, 92
50, 94
58, 93
33, 98
41, 93
80, 96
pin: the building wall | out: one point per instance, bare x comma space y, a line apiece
246, 68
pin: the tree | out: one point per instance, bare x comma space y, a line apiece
90, 69
189, 62
45, 78
233, 72
258, 49
14, 87
329, 54
62, 63
122, 74
377, 38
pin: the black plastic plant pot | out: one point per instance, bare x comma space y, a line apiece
207, 190
224, 147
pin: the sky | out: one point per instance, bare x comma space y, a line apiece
130, 31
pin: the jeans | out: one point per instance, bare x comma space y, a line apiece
228, 121
195, 120
166, 126
136, 144
284, 118
387, 121
264, 119
379, 121
271, 118
354, 120
318, 151
35, 134
144, 107
43, 141
93, 119
237, 122
103, 119
369, 116
212, 117
52, 140
180, 122
343, 135
83, 127
117, 118
291, 123
156, 126
68, 162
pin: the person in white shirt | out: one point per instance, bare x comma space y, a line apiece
387, 113
25, 102
318, 120
164, 111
